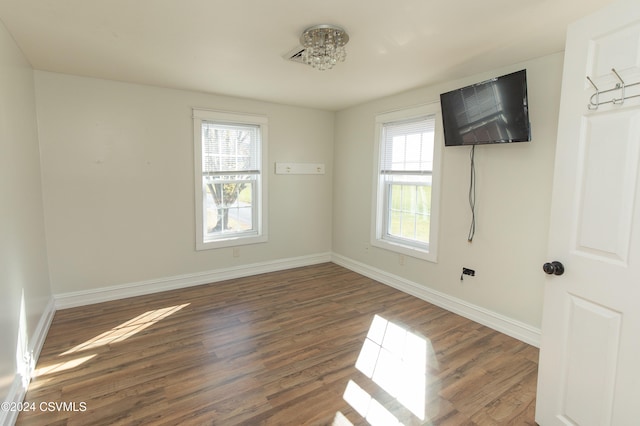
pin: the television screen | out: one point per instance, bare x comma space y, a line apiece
494, 111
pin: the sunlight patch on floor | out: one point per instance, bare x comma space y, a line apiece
126, 329
341, 420
396, 360
370, 409
62, 366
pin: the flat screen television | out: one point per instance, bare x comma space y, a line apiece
493, 111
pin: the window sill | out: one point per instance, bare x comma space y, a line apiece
230, 242
405, 250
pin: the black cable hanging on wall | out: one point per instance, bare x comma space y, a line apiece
472, 195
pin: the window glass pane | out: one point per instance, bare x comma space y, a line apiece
230, 206
403, 200
228, 202
407, 149
395, 196
395, 222
408, 198
422, 227
408, 145
414, 151
423, 203
229, 147
427, 151
409, 211
408, 226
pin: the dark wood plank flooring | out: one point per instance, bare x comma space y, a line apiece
317, 345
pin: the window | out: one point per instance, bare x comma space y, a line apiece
229, 164
407, 176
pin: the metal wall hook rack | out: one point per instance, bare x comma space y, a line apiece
594, 100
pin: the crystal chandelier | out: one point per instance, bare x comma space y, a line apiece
324, 46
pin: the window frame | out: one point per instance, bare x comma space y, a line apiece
380, 213
259, 204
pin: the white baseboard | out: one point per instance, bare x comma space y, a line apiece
105, 294
501, 323
498, 322
40, 333
15, 397
20, 384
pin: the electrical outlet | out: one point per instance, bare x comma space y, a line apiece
467, 271
236, 252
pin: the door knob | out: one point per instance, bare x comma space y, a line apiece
553, 268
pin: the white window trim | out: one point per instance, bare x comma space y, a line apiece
261, 235
378, 207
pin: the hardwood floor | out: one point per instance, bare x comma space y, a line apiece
317, 345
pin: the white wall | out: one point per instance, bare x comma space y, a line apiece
24, 281
118, 176
117, 165
513, 200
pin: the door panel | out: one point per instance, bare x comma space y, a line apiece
620, 47
588, 322
609, 176
589, 372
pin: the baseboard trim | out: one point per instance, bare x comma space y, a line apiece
40, 333
105, 294
498, 322
18, 388
15, 397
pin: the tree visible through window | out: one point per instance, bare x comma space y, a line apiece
229, 173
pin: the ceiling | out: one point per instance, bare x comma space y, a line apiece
237, 47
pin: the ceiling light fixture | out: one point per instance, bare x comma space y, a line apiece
324, 46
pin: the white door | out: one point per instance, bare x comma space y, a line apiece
590, 347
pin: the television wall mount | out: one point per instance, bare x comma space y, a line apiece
621, 86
